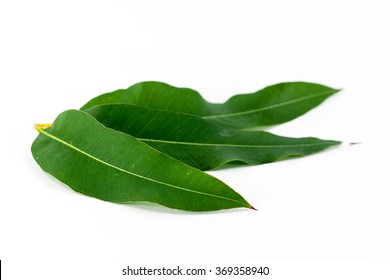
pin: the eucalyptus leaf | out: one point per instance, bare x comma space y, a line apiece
200, 143
272, 105
113, 166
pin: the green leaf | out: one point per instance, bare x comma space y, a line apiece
114, 166
200, 143
272, 105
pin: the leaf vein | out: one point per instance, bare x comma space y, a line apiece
268, 107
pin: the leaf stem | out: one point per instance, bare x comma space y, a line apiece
41, 126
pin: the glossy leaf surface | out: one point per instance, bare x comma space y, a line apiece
200, 143
113, 166
272, 105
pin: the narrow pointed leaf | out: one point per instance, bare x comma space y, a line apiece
272, 105
114, 166
200, 143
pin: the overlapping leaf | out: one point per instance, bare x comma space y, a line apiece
200, 143
113, 166
142, 143
272, 105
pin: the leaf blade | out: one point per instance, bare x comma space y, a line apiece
272, 105
200, 143
75, 151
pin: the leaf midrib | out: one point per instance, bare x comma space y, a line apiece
268, 107
131, 173
233, 145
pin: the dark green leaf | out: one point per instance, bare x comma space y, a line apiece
114, 166
200, 143
272, 105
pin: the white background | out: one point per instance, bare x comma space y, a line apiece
333, 206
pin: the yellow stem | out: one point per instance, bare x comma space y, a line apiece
41, 126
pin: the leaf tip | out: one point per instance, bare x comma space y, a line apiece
354, 143
253, 208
